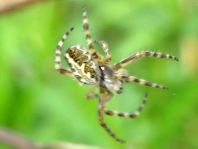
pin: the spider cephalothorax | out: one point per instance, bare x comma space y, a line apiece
109, 80
91, 68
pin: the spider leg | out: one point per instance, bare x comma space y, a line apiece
101, 111
105, 47
87, 33
141, 54
132, 115
91, 94
58, 55
142, 82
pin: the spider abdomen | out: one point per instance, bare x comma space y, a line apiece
83, 67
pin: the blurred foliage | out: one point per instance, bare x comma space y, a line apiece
45, 106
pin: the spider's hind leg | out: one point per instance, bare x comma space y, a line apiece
58, 53
86, 29
90, 42
105, 47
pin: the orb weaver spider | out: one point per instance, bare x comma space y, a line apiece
91, 68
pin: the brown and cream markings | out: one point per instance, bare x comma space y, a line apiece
91, 68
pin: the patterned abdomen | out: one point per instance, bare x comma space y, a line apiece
83, 68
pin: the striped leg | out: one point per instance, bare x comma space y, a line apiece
105, 47
101, 111
58, 55
87, 32
127, 114
103, 99
142, 82
141, 54
91, 94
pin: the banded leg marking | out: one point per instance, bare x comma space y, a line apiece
87, 31
127, 114
142, 54
142, 82
58, 54
105, 47
104, 125
104, 97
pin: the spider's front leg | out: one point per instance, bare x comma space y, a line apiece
142, 54
58, 55
103, 99
132, 115
141, 82
105, 47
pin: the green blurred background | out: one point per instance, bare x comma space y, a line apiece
46, 107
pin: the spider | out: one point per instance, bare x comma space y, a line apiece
91, 68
